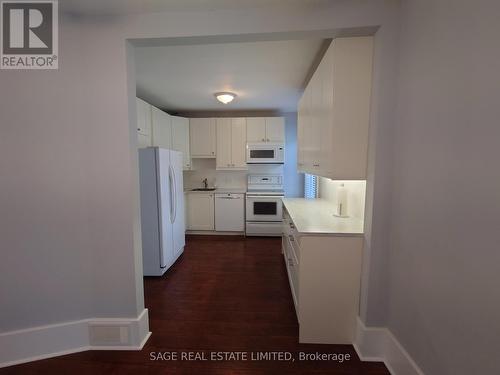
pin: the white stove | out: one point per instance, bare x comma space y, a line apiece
264, 210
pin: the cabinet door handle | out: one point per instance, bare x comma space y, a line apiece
263, 139
315, 165
268, 139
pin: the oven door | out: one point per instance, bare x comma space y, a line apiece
264, 208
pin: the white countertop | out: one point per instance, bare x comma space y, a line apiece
315, 217
222, 190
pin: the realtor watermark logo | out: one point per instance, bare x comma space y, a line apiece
29, 35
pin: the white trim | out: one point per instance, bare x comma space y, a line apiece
379, 344
43, 356
129, 347
46, 341
213, 233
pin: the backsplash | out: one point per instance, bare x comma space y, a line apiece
205, 168
356, 191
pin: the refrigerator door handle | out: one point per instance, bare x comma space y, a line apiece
170, 181
175, 195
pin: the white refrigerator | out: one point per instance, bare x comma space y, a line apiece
162, 208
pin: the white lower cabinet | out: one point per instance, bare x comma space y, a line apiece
324, 272
200, 211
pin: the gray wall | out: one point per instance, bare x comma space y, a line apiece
443, 298
374, 285
66, 197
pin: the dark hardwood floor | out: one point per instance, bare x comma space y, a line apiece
223, 294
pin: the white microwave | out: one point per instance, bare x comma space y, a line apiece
265, 153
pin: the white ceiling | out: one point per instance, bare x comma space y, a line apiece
265, 75
145, 6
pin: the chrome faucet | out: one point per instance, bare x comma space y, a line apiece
205, 183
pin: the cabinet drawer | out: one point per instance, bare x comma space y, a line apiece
294, 248
288, 226
293, 272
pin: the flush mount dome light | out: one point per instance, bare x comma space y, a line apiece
225, 97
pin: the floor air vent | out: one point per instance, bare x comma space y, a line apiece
108, 335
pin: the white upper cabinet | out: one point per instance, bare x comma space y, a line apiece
143, 123
265, 129
162, 128
238, 142
171, 132
256, 129
143, 117
223, 160
202, 132
231, 143
306, 137
300, 133
180, 139
143, 141
333, 112
275, 129
315, 124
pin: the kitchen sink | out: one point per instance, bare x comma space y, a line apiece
203, 189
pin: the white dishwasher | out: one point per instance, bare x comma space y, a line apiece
229, 212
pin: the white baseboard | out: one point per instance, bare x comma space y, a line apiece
213, 233
379, 344
53, 340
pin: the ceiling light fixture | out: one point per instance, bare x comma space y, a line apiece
225, 97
